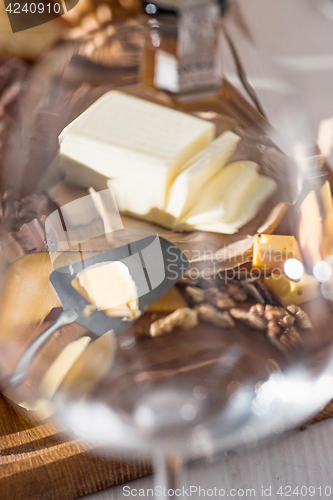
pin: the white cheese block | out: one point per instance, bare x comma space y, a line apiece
140, 195
120, 136
230, 199
188, 185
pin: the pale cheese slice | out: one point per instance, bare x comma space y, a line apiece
110, 288
94, 364
222, 196
188, 185
59, 368
162, 165
230, 200
259, 192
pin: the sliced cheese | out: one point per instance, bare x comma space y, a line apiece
62, 195
222, 196
162, 165
229, 200
259, 191
188, 185
52, 379
315, 225
120, 136
42, 407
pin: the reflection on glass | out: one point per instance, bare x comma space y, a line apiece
234, 348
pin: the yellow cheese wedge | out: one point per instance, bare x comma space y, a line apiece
271, 251
289, 292
170, 301
27, 294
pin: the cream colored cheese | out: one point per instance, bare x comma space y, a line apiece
189, 184
57, 371
229, 200
123, 136
162, 165
110, 288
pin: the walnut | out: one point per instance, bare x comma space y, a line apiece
293, 309
288, 320
273, 329
252, 320
303, 320
183, 317
258, 309
208, 314
196, 294
218, 299
291, 339
236, 292
281, 332
273, 313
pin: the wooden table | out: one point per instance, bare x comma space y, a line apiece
39, 460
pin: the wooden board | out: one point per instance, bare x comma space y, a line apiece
39, 461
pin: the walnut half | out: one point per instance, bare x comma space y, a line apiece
183, 317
